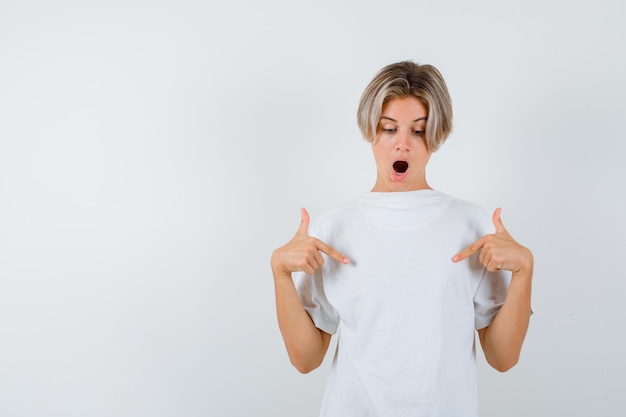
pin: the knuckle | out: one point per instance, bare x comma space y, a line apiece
311, 250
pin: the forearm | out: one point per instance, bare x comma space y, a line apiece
305, 343
502, 340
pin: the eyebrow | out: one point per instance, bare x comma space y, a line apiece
393, 120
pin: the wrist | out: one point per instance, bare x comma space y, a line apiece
279, 271
526, 266
523, 273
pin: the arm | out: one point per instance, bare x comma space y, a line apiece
502, 340
305, 343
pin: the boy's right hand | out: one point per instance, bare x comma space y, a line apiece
302, 252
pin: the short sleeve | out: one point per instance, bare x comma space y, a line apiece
311, 291
489, 297
492, 287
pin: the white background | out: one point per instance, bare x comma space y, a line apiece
154, 153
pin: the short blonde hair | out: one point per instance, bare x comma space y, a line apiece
408, 79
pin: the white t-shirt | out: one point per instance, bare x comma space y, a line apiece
406, 314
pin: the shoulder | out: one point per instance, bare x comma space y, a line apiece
466, 207
473, 215
332, 218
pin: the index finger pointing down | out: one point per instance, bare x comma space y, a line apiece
332, 252
468, 251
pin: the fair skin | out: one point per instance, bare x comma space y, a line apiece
400, 137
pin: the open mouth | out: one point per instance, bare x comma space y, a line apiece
400, 166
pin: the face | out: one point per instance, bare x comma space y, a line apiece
400, 147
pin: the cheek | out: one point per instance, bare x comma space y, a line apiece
381, 154
425, 159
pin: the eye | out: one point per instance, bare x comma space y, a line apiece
418, 132
387, 129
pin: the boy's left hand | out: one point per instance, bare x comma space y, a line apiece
499, 251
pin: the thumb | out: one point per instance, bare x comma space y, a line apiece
303, 229
497, 221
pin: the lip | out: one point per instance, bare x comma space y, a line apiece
397, 176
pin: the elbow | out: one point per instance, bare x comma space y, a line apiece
502, 358
304, 367
504, 365
304, 362
307, 354
504, 368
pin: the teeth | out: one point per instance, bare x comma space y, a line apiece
400, 166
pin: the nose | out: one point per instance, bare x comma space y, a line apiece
402, 141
